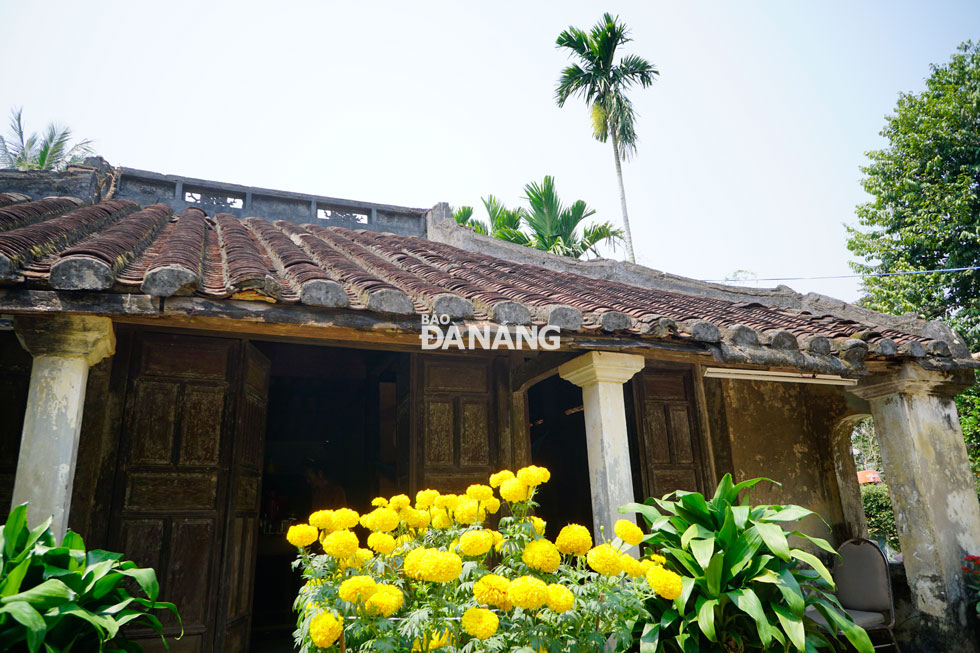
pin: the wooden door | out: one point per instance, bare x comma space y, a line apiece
248, 454
170, 503
671, 452
456, 438
15, 379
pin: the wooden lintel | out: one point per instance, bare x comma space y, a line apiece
537, 369
22, 301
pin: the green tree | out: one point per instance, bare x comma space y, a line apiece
603, 82
925, 211
547, 224
51, 150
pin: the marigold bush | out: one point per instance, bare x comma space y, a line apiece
436, 576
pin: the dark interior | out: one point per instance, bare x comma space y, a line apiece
331, 440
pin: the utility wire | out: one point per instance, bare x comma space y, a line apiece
846, 276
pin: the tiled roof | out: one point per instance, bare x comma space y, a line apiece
116, 246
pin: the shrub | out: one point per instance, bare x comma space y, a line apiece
878, 511
745, 588
62, 597
437, 576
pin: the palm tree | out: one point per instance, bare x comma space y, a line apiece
503, 223
50, 151
553, 227
603, 83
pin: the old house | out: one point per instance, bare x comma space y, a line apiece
186, 365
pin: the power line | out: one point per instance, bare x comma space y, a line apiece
847, 276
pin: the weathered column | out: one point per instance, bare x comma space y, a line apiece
64, 347
932, 493
601, 376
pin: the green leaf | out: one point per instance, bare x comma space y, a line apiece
789, 513
147, 579
706, 619
752, 482
775, 539
29, 618
814, 562
13, 531
702, 550
712, 575
695, 531
747, 601
856, 635
792, 593
819, 541
649, 512
43, 596
650, 639
792, 624
724, 492
11, 584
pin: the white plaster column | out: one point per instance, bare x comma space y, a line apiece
932, 493
64, 347
601, 375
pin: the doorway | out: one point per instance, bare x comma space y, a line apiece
337, 421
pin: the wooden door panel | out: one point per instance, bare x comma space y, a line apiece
669, 448
152, 422
188, 578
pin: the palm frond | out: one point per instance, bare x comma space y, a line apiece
601, 232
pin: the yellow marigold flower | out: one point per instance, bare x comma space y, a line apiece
628, 532
323, 519
386, 601
479, 622
468, 511
440, 518
533, 475
514, 490
436, 641
560, 598
527, 592
492, 505
496, 480
357, 588
574, 540
479, 492
441, 566
446, 501
498, 545
345, 518
475, 543
383, 519
340, 544
400, 501
379, 502
659, 559
632, 566
412, 565
498, 537
541, 555
665, 582
605, 560
424, 499
302, 535
364, 555
381, 542
415, 518
492, 590
325, 629
539, 525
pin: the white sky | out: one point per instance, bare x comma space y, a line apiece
750, 141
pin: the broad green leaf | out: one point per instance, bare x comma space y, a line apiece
706, 619
856, 635
695, 531
650, 639
789, 513
747, 601
723, 493
752, 482
43, 596
649, 513
727, 533
687, 586
819, 541
814, 562
685, 559
712, 574
702, 550
14, 530
30, 619
696, 505
792, 594
11, 584
741, 515
743, 551
147, 579
73, 541
775, 539
792, 624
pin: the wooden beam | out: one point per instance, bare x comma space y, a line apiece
539, 368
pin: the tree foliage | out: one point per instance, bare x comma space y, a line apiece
925, 211
547, 223
52, 150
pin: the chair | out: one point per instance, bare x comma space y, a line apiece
864, 589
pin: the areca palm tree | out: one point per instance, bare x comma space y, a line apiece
554, 227
602, 81
51, 150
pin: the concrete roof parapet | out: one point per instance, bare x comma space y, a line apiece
511, 313
561, 316
456, 307
700, 330
782, 339
740, 335
615, 321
